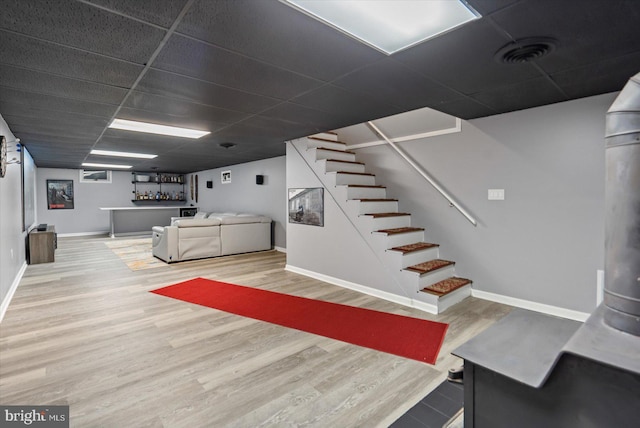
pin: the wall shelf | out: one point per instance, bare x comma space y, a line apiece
158, 187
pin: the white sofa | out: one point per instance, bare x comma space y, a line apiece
211, 235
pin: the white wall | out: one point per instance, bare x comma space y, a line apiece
545, 242
12, 237
336, 250
244, 195
86, 216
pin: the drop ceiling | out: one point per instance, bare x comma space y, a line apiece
257, 73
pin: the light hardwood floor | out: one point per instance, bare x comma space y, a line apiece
85, 332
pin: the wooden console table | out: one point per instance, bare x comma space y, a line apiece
42, 245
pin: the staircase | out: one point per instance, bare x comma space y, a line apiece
414, 263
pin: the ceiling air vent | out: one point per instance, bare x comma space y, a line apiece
525, 50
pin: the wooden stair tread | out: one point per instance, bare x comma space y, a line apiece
410, 248
382, 215
446, 286
344, 161
352, 173
327, 140
375, 200
366, 186
335, 150
398, 230
430, 266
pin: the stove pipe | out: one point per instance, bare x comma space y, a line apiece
622, 211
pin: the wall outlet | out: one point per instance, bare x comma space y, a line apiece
496, 194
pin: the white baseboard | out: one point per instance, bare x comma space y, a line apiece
14, 286
281, 249
532, 306
405, 301
432, 309
71, 235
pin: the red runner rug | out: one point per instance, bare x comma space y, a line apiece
395, 334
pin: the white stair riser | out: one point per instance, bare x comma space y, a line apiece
387, 222
330, 166
413, 258
367, 180
396, 240
436, 276
366, 193
432, 299
330, 154
377, 207
326, 136
456, 296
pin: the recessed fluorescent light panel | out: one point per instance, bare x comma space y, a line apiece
123, 154
105, 165
389, 25
152, 128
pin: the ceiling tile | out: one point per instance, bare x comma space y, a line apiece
33, 54
463, 59
180, 111
159, 12
393, 83
14, 100
350, 107
487, 7
275, 33
603, 30
82, 26
181, 87
62, 124
521, 95
599, 78
315, 119
196, 59
466, 108
63, 87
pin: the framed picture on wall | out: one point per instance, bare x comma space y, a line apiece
225, 177
95, 176
306, 206
60, 194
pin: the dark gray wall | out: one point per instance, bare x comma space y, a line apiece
545, 241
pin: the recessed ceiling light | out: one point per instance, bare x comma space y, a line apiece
152, 128
105, 165
389, 25
123, 154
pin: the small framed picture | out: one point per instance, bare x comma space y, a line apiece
306, 206
60, 194
225, 177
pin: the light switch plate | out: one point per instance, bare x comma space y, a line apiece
496, 194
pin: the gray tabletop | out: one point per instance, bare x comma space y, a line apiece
524, 345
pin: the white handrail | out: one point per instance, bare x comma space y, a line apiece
425, 175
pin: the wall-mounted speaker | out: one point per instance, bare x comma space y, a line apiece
209, 184
259, 179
